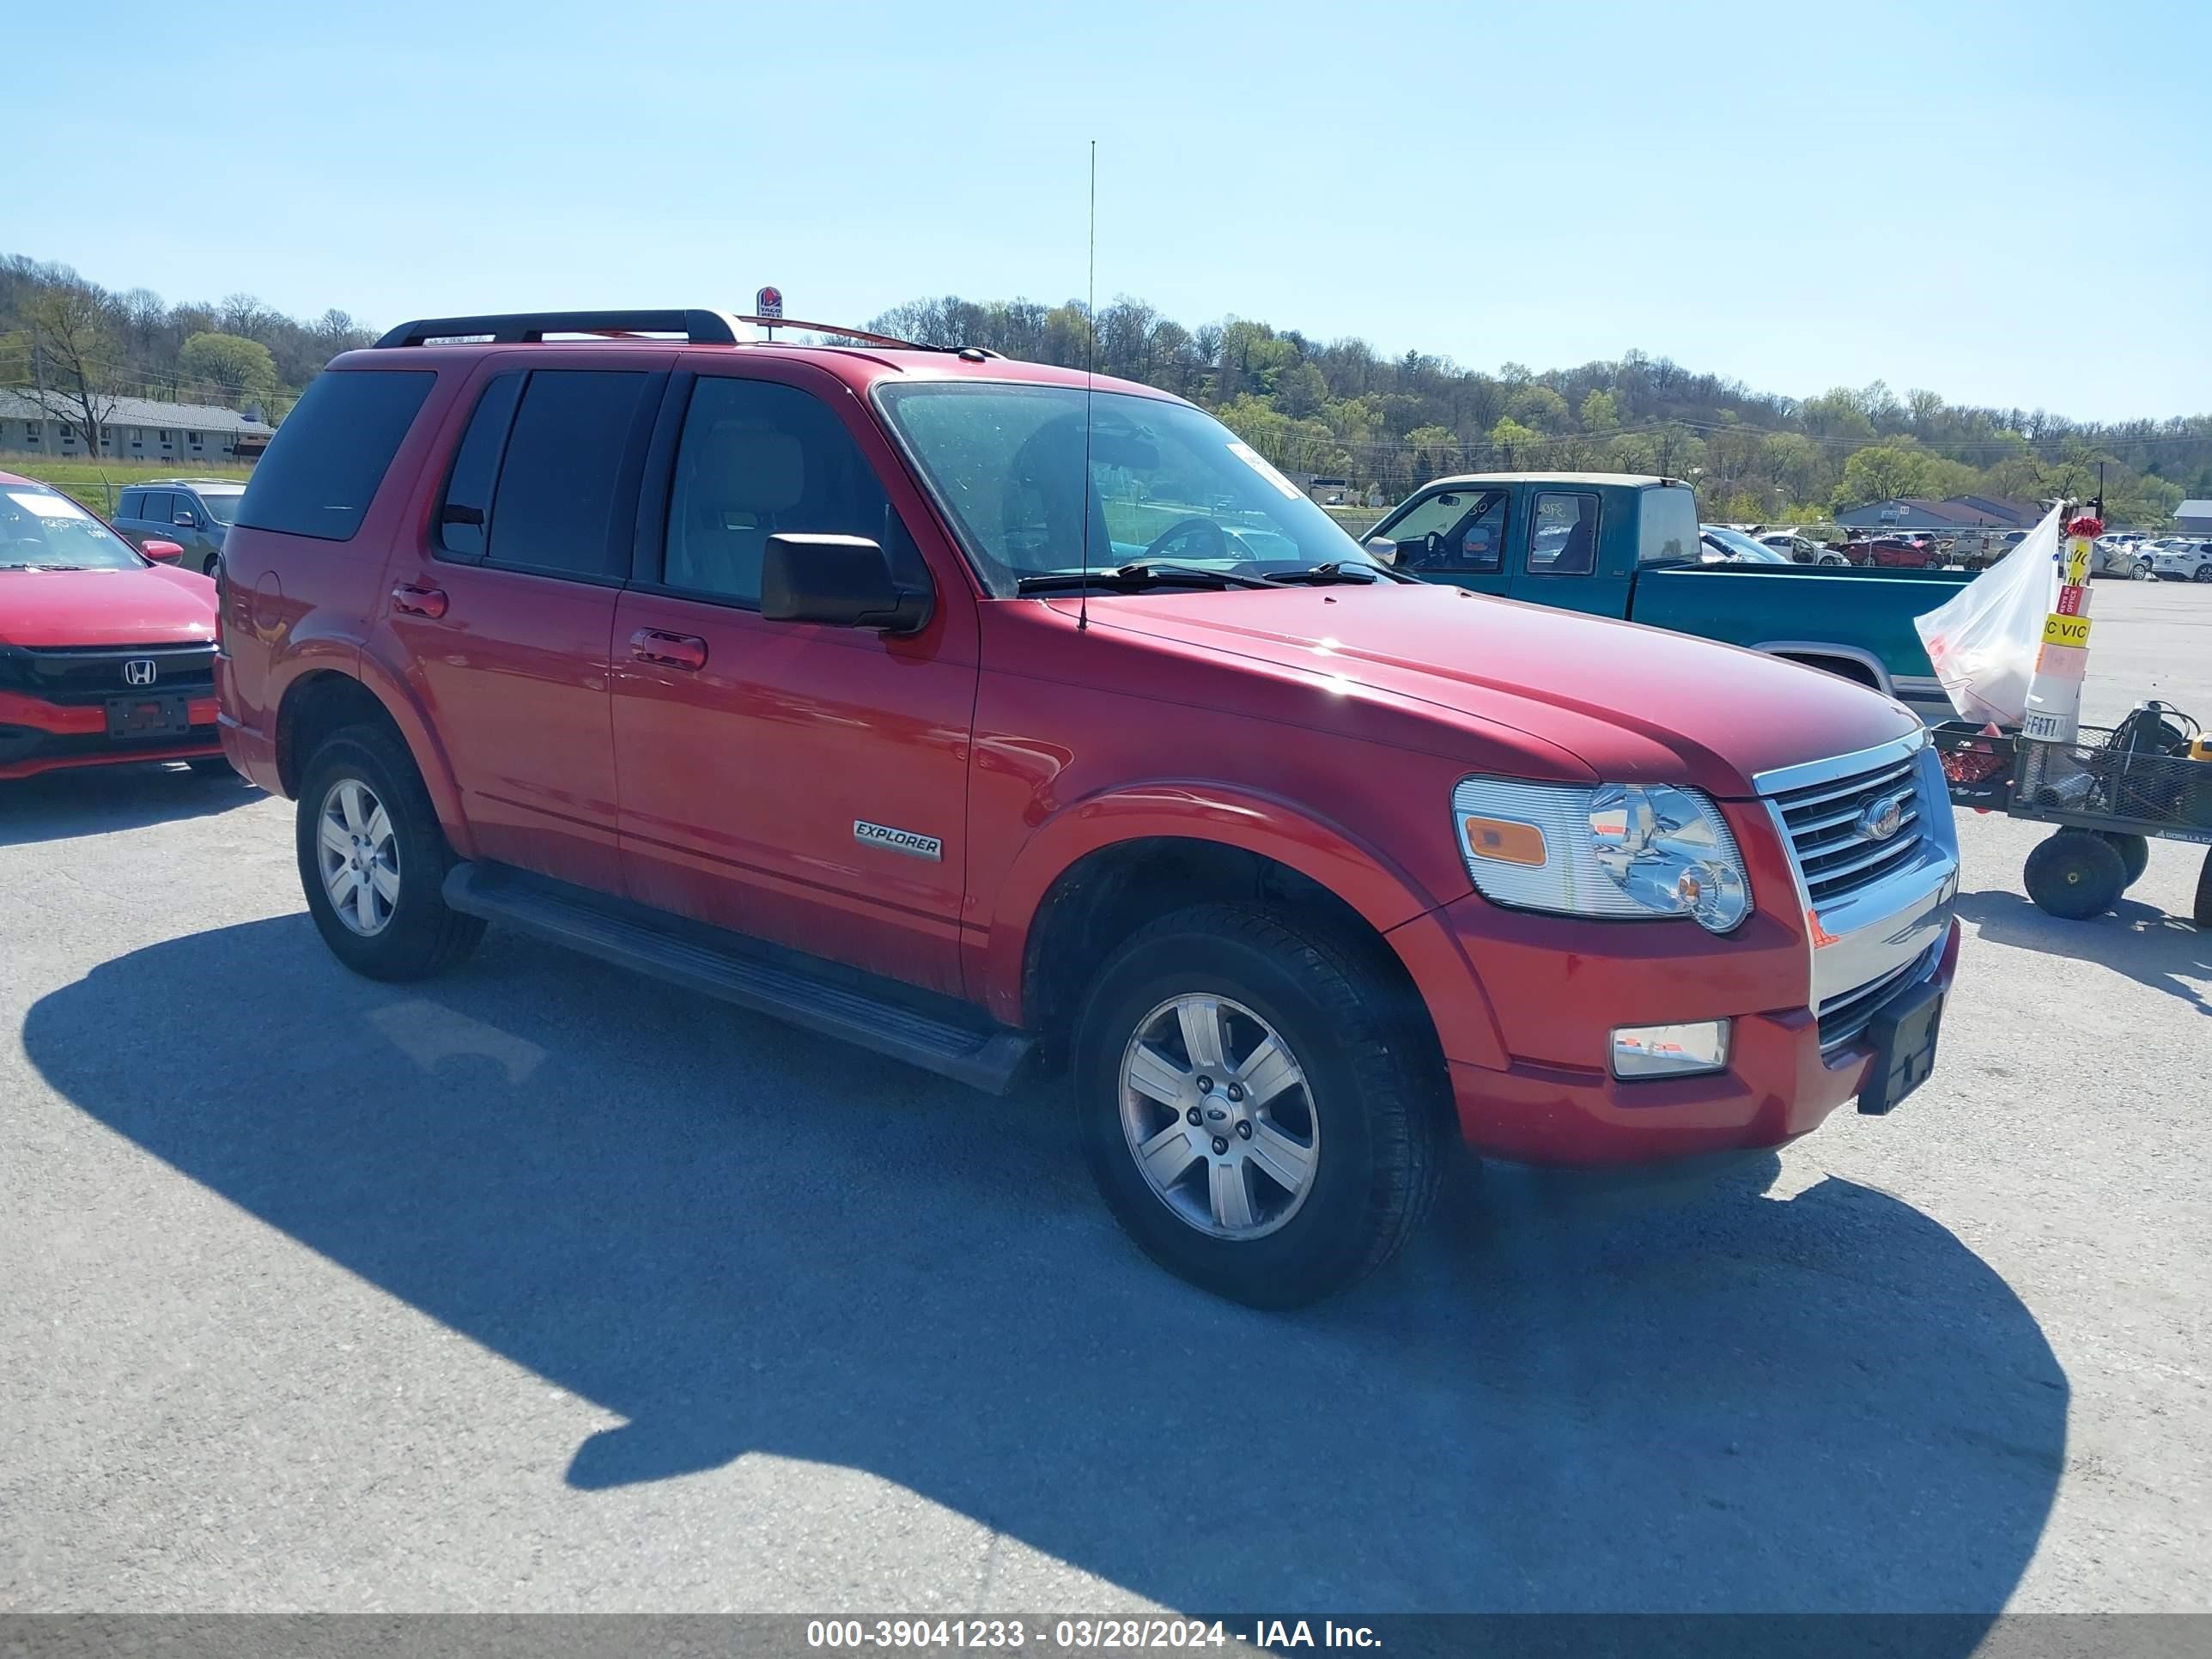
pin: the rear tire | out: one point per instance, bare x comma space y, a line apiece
368, 836
2076, 874
1315, 1073
2134, 854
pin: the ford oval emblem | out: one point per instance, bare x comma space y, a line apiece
1881, 819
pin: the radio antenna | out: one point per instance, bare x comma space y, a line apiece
1089, 351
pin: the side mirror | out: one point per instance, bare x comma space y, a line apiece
185, 521
1383, 550
166, 552
843, 581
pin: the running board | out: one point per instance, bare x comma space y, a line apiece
980, 1054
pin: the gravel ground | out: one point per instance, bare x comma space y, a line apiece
542, 1287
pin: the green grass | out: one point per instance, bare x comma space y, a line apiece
93, 483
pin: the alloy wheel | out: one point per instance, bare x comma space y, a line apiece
359, 855
1218, 1116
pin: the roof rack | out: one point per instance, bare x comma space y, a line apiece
516, 328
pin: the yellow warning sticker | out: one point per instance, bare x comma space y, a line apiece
2065, 630
2077, 563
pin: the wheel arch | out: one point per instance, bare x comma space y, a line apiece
1099, 871
1850, 662
324, 699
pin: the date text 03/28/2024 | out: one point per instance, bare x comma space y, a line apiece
1077, 1635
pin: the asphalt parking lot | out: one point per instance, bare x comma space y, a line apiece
543, 1287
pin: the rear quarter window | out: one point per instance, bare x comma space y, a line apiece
328, 458
1667, 524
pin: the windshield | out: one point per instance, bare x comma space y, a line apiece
44, 529
221, 504
1168, 485
1741, 548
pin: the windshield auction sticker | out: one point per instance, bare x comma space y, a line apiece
1252, 458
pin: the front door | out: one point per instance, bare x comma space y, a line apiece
504, 613
804, 784
1456, 535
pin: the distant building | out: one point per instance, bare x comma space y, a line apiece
1956, 512
140, 430
2196, 517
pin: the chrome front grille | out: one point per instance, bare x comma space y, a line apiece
1835, 855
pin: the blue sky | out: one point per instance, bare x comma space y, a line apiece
2010, 204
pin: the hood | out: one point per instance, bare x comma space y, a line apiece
146, 605
1632, 704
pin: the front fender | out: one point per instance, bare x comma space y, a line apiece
1383, 892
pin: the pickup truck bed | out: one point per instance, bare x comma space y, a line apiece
1625, 546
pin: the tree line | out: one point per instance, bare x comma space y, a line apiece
1338, 409
1333, 408
76, 348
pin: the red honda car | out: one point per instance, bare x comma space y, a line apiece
106, 654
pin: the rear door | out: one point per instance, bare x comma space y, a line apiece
1566, 552
800, 783
502, 605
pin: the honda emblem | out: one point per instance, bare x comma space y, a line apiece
139, 670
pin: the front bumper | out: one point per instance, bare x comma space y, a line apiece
37, 736
1778, 1086
1524, 1005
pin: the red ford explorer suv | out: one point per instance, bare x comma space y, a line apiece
985, 718
106, 656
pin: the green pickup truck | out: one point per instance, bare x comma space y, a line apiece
1623, 546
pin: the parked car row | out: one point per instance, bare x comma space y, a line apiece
195, 513
107, 650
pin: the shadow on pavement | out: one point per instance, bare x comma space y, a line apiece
89, 801
740, 1237
2140, 941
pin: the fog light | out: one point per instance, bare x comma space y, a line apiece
1640, 1051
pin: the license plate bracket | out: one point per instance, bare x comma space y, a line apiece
162, 716
1904, 1036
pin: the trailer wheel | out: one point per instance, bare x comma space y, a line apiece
2134, 854
2076, 874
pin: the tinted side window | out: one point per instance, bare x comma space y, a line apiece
154, 506
126, 504
325, 462
1563, 534
556, 497
467, 508
755, 460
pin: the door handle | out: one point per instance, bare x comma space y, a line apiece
669, 650
419, 601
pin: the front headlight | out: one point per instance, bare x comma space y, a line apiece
1619, 850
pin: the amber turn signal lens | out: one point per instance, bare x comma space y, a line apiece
1506, 842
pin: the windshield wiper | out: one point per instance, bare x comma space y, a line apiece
1334, 572
45, 567
1135, 577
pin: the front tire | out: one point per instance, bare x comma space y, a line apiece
373, 859
2076, 874
1256, 1104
